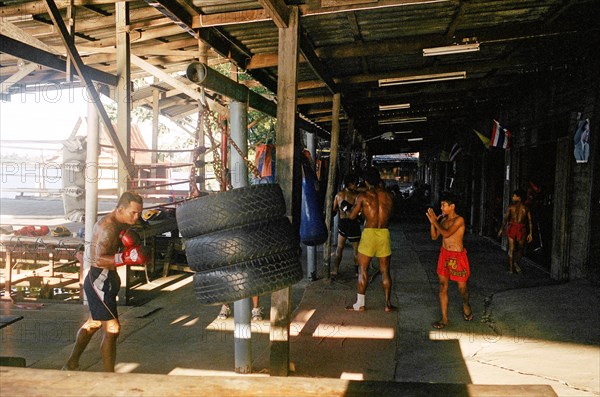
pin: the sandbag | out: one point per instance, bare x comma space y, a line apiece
313, 230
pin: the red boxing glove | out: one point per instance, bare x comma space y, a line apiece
130, 238
131, 256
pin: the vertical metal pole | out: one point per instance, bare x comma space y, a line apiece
91, 185
311, 251
242, 309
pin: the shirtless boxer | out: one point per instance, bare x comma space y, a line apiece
113, 244
516, 216
376, 205
453, 263
348, 229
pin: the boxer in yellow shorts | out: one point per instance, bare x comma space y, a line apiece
375, 203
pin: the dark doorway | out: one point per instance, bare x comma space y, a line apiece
541, 166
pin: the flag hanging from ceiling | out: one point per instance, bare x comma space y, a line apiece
500, 136
484, 139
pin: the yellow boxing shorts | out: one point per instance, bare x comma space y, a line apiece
375, 243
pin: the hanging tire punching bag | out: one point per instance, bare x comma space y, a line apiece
313, 230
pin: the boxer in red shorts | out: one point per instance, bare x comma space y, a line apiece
516, 216
453, 263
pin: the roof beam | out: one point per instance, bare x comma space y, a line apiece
179, 14
306, 10
32, 54
278, 11
315, 63
15, 78
172, 81
15, 32
38, 7
354, 50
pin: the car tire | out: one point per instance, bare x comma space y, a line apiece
238, 244
249, 278
231, 208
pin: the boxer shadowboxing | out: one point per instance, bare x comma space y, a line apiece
113, 244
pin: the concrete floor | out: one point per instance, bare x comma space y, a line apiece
527, 330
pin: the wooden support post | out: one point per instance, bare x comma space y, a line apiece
7, 275
71, 29
286, 130
201, 171
333, 150
559, 268
123, 92
155, 123
506, 194
483, 210
92, 175
123, 99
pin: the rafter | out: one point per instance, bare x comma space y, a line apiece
238, 17
278, 11
30, 53
18, 76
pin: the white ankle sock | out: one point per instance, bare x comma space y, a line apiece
360, 301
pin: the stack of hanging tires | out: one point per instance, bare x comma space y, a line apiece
239, 243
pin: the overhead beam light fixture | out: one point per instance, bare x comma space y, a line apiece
451, 49
425, 78
402, 120
394, 107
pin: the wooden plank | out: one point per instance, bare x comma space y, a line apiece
240, 17
18, 382
16, 77
123, 95
13, 31
277, 10
286, 133
37, 7
173, 82
335, 134
559, 259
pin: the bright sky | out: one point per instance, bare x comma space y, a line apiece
42, 115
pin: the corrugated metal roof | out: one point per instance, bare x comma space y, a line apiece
356, 42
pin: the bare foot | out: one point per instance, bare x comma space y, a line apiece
68, 367
439, 325
351, 307
467, 312
390, 309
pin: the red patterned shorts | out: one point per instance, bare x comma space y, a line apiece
454, 265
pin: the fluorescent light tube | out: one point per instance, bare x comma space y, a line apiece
394, 107
414, 139
426, 78
451, 49
402, 120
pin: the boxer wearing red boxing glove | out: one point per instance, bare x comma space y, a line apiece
112, 244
